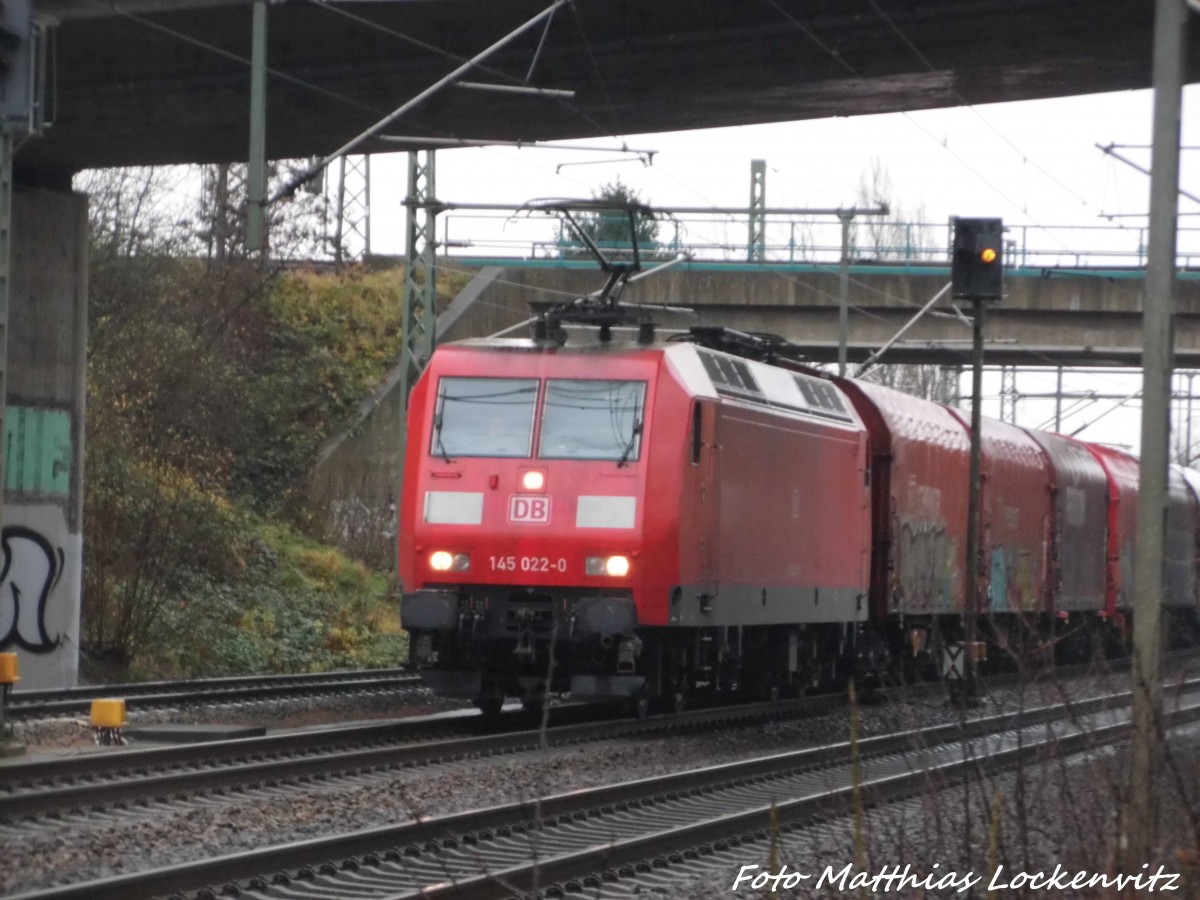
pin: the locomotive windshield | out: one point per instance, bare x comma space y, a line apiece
592, 420
484, 417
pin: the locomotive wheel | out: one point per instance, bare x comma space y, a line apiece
534, 705
534, 701
640, 707
678, 699
490, 706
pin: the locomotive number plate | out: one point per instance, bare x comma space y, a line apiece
527, 510
527, 564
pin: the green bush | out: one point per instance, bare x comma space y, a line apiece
210, 388
279, 614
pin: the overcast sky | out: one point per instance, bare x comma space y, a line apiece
1034, 164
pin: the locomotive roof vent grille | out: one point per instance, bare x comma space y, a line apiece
731, 376
822, 398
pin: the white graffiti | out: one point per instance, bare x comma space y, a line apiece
32, 567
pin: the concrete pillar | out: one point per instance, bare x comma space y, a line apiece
43, 440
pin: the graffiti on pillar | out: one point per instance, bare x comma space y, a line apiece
37, 451
32, 567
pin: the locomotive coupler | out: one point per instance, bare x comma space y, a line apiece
628, 651
524, 649
424, 650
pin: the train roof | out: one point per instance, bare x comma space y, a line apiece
707, 373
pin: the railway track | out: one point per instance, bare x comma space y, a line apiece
23, 705
129, 779
133, 779
584, 840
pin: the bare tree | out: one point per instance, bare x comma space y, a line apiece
936, 383
901, 235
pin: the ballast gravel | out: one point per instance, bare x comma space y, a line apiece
73, 851
1014, 832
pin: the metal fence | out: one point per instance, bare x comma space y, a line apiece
813, 241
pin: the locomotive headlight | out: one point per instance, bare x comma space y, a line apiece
617, 566
614, 566
533, 480
443, 561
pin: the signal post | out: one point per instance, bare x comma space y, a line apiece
976, 274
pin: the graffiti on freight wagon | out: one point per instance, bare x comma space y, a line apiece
32, 567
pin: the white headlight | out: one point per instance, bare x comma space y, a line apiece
443, 561
617, 566
533, 480
614, 566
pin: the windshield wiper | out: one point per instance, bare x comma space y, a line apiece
637, 429
437, 436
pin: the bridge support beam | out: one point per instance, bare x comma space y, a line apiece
43, 436
1084, 318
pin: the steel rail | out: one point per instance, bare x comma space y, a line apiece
586, 869
425, 845
141, 695
34, 787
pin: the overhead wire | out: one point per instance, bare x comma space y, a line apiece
506, 76
587, 44
233, 57
455, 57
974, 109
330, 94
318, 89
174, 33
840, 59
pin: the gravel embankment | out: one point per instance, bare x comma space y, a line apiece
1061, 813
69, 851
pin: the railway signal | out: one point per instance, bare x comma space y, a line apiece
977, 260
976, 274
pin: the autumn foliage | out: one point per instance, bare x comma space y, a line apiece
211, 382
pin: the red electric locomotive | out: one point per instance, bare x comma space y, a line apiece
635, 520
628, 521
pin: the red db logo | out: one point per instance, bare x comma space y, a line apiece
529, 510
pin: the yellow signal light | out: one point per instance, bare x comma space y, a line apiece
988, 255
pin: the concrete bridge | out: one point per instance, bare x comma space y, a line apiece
154, 81
158, 81
1049, 317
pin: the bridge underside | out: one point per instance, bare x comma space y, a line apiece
1078, 319
167, 81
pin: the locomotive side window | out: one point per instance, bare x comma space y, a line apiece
484, 417
585, 419
697, 431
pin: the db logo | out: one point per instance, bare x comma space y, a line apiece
529, 510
